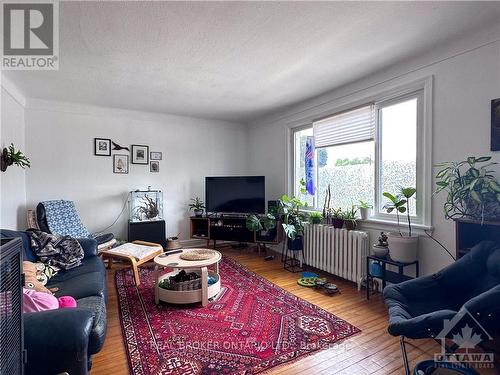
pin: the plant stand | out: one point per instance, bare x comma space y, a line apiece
388, 276
291, 261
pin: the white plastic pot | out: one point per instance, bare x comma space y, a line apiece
364, 213
402, 248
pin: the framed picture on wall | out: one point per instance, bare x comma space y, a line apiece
140, 154
155, 155
120, 163
495, 125
102, 147
154, 167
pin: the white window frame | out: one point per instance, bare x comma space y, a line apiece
383, 97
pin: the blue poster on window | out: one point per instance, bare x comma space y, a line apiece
309, 165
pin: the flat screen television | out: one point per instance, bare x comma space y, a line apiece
242, 194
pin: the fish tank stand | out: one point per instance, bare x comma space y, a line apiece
146, 221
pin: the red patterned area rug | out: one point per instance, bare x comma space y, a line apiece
251, 326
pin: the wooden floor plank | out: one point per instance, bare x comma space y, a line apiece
373, 351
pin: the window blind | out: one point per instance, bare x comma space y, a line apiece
353, 126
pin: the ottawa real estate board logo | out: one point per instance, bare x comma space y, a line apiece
30, 35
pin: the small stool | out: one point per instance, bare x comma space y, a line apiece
136, 253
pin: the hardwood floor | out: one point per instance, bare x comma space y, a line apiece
373, 351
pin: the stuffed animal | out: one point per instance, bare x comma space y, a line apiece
33, 279
34, 301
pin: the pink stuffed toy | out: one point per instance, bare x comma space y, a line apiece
66, 302
34, 301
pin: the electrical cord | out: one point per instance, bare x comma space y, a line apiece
440, 244
116, 220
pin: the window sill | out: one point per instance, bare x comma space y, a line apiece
391, 226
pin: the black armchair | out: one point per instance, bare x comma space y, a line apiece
419, 307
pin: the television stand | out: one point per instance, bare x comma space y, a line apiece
239, 245
230, 229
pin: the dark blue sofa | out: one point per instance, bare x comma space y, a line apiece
64, 340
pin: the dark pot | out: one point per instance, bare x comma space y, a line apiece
338, 223
296, 244
350, 224
5, 161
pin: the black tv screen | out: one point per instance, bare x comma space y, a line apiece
245, 194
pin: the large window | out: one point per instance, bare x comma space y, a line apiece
361, 153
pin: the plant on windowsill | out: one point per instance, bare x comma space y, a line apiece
364, 209
337, 217
11, 156
349, 217
293, 221
402, 246
472, 188
315, 218
197, 206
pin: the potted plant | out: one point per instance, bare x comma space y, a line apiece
256, 223
364, 209
381, 249
315, 217
337, 217
197, 206
472, 188
402, 246
293, 221
349, 217
11, 156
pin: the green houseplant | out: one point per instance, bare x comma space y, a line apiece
11, 156
293, 221
472, 189
197, 206
364, 209
315, 217
256, 223
402, 246
337, 217
349, 217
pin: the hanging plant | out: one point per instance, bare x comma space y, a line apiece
11, 156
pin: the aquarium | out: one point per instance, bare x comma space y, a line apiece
145, 205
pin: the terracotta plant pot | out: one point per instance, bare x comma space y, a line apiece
402, 248
337, 223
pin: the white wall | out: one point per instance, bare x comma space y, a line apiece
13, 183
60, 136
465, 78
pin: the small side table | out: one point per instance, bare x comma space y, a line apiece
388, 276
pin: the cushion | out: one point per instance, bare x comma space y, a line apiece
28, 253
63, 219
80, 286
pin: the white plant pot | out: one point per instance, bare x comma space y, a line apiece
380, 251
403, 248
364, 213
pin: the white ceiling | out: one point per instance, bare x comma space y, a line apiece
236, 60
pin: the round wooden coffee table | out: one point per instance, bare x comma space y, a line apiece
188, 296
